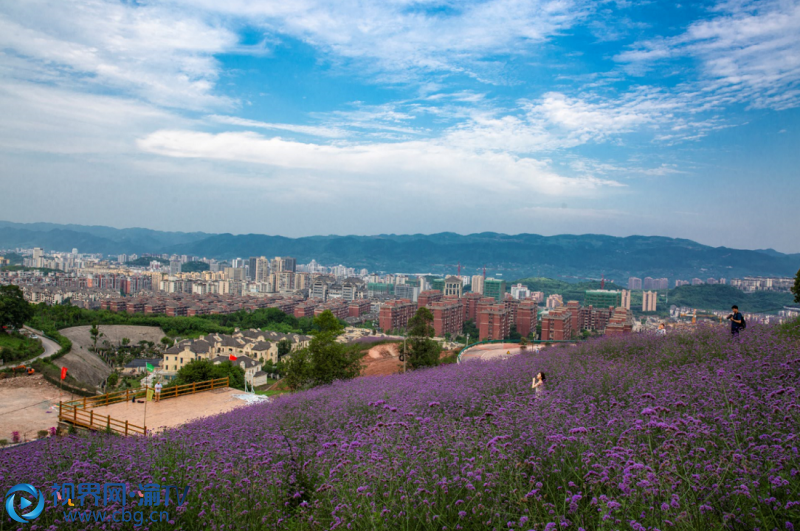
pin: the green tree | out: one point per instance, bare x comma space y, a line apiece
203, 370
113, 378
330, 359
297, 369
513, 334
796, 287
471, 329
284, 347
326, 359
14, 309
166, 342
94, 331
423, 351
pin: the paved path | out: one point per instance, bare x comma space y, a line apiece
50, 348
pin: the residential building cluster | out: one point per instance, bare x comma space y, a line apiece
567, 322
249, 349
752, 284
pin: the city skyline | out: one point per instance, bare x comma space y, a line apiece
542, 117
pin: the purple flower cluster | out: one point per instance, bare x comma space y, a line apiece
690, 431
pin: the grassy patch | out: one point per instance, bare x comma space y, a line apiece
15, 347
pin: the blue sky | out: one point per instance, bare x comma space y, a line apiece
356, 117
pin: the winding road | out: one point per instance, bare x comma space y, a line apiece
50, 348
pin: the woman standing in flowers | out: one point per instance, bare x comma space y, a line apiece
538, 383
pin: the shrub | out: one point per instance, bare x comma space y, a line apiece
42, 433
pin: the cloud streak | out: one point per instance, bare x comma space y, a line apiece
749, 52
431, 163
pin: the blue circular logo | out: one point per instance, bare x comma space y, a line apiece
11, 496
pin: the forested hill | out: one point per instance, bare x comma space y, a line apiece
508, 256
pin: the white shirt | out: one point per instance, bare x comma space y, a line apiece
158, 388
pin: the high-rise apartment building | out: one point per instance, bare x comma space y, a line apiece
602, 298
494, 288
174, 267
471, 301
477, 284
527, 317
427, 297
649, 299
285, 281
554, 301
520, 291
634, 283
557, 325
493, 323
286, 263
394, 315
448, 317
626, 299
453, 286
407, 291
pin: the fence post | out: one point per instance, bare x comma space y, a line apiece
126, 394
84, 402
126, 428
60, 408
75, 414
194, 387
108, 423
91, 418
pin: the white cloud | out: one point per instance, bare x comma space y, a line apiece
159, 54
749, 52
312, 130
401, 39
557, 121
39, 118
416, 164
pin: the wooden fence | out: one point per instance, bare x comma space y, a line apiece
80, 413
95, 421
129, 394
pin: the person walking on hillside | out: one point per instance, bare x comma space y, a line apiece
737, 321
538, 384
662, 331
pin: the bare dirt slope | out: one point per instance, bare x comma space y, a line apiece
87, 367
381, 360
28, 404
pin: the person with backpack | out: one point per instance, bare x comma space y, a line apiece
737, 321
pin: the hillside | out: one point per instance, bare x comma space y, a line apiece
509, 256
638, 432
719, 297
90, 239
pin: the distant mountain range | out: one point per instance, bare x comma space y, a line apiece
573, 257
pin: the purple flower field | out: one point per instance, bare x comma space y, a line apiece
686, 432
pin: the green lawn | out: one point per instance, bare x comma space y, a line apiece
15, 347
